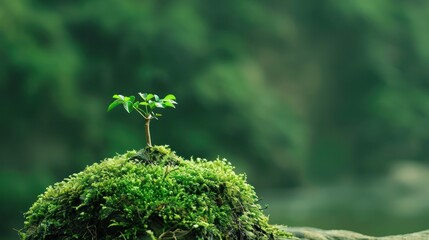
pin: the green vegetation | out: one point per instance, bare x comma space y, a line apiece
295, 93
145, 108
152, 194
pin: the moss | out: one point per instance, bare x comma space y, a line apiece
150, 194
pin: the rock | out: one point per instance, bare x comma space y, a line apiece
306, 233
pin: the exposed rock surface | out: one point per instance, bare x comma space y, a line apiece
305, 233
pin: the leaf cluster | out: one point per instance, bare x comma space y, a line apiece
168, 198
144, 107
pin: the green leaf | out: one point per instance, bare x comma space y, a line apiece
132, 98
168, 104
170, 97
136, 104
159, 105
143, 95
114, 104
152, 100
116, 96
152, 104
149, 96
128, 105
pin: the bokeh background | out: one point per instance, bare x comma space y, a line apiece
324, 104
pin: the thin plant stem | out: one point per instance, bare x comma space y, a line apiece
147, 125
141, 112
147, 128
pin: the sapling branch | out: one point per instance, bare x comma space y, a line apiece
150, 102
147, 130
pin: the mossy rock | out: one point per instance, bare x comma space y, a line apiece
306, 233
150, 194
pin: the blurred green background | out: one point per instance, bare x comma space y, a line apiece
324, 104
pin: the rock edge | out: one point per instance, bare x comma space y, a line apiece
307, 233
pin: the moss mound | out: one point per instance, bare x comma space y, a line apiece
150, 194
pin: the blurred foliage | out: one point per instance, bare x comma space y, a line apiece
295, 93
392, 204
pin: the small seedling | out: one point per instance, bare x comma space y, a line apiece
145, 108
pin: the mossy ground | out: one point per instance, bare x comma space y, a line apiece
150, 194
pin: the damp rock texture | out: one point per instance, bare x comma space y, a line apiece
305, 233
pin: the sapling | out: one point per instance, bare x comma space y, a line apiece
145, 108
195, 199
